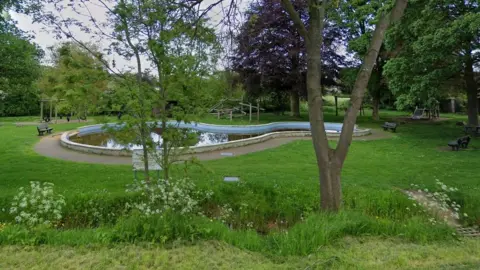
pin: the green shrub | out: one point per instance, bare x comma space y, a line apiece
96, 209
161, 228
37, 205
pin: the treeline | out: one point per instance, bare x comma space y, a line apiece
430, 55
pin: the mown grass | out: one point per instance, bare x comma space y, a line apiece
348, 253
277, 185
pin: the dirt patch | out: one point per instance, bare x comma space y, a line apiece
423, 120
447, 215
434, 207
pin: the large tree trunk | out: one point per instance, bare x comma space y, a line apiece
472, 92
331, 190
330, 161
294, 103
375, 108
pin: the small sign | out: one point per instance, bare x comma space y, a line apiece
226, 154
231, 179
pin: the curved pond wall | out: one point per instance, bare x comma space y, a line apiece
268, 131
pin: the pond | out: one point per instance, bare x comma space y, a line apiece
196, 138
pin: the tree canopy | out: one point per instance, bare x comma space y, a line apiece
271, 55
77, 79
19, 69
437, 47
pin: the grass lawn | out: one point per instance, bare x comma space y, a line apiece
279, 184
349, 253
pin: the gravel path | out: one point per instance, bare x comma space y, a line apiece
50, 146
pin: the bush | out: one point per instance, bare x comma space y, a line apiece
162, 195
96, 209
38, 205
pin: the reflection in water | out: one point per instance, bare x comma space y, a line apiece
110, 141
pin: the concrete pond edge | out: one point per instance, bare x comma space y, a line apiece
99, 150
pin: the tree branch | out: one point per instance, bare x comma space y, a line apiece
69, 34
288, 6
363, 77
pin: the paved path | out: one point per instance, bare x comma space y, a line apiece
50, 146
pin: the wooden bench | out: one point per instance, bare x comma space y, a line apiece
461, 142
42, 128
393, 126
138, 165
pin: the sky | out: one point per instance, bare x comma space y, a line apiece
44, 38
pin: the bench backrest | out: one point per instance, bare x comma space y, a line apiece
388, 124
463, 140
137, 161
42, 126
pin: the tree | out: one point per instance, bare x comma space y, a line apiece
330, 161
173, 51
359, 17
181, 49
431, 60
19, 69
76, 77
270, 53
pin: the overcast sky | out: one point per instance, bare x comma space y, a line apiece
46, 39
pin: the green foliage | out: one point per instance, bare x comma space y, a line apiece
38, 205
359, 18
342, 102
19, 70
183, 51
434, 44
77, 79
302, 239
164, 228
278, 193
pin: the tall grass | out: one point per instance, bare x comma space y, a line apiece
304, 238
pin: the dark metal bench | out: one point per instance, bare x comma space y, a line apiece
393, 126
42, 128
471, 130
461, 142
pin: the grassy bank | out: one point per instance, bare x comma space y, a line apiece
349, 253
273, 210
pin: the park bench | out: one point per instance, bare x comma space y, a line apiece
460, 142
471, 130
393, 126
138, 165
42, 128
